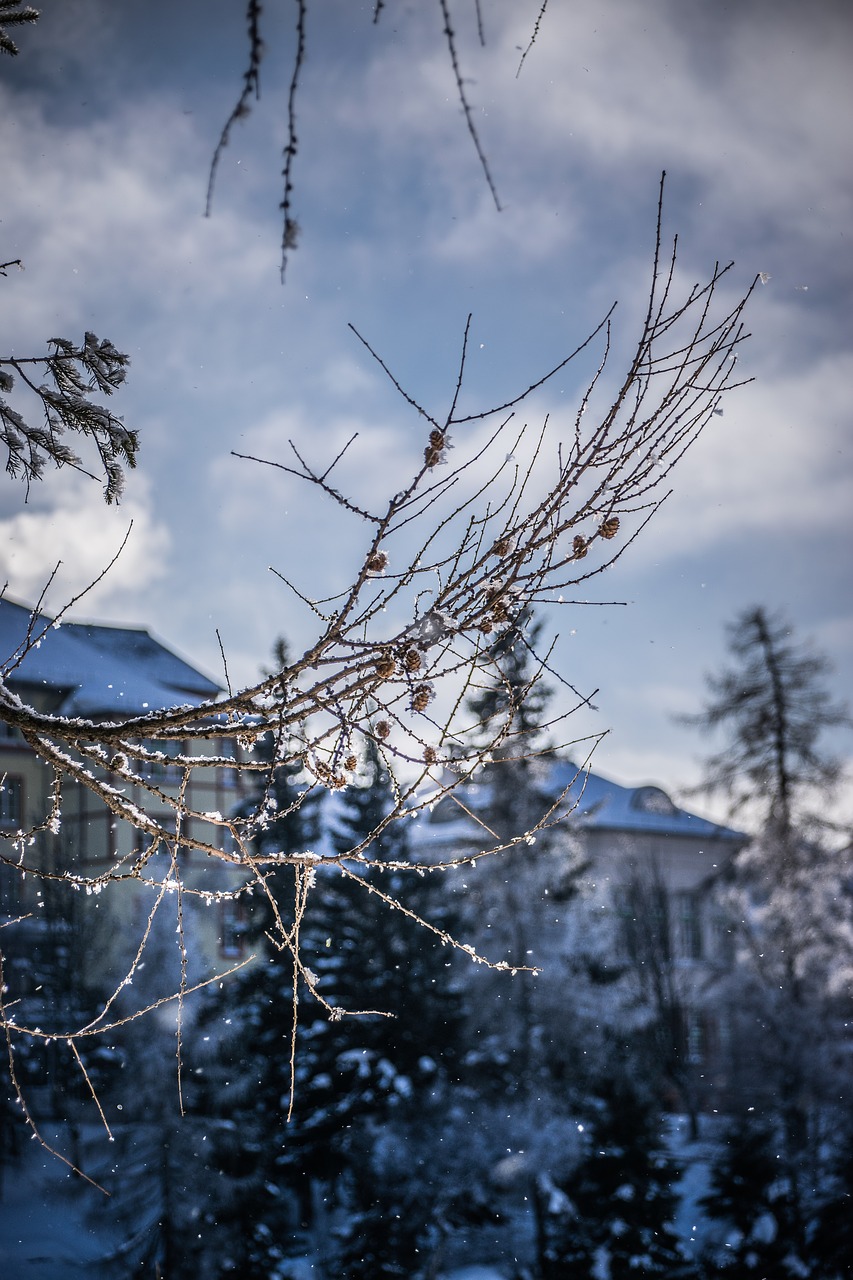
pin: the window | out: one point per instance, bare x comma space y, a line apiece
11, 801
233, 929
687, 924
722, 940
695, 1036
160, 770
644, 911
653, 800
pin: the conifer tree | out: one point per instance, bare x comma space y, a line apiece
357, 1070
773, 707
622, 1199
395, 1038
790, 902
752, 1196
258, 1208
831, 1244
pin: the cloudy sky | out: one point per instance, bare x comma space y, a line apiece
108, 120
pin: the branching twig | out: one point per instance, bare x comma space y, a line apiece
460, 554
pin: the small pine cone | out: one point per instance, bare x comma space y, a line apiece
487, 624
430, 755
503, 546
579, 546
385, 666
436, 438
421, 697
322, 770
412, 660
609, 527
432, 456
383, 729
499, 612
351, 764
377, 562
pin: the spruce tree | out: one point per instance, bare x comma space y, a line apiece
622, 1197
772, 707
790, 901
394, 1043
752, 1196
512, 899
259, 1208
357, 1071
831, 1243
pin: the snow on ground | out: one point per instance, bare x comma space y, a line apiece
44, 1234
474, 1273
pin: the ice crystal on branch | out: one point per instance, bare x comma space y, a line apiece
453, 560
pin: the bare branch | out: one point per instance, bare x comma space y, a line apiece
466, 106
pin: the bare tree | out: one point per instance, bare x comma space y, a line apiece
495, 520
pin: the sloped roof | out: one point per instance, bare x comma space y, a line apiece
591, 802
601, 804
98, 670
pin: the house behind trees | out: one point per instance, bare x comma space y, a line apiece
93, 672
649, 874
651, 868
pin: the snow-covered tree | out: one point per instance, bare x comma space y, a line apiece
376, 1040
516, 901
256, 1210
790, 901
793, 881
392, 1040
617, 1220
831, 1245
763, 1229
772, 708
13, 14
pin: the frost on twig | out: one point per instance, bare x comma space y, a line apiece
473, 539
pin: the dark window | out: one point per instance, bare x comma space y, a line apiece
11, 801
160, 770
233, 929
687, 923
695, 1035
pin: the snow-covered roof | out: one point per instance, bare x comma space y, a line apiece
605, 805
591, 802
96, 670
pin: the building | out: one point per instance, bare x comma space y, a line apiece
95, 672
653, 866
651, 869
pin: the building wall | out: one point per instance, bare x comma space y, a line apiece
90, 842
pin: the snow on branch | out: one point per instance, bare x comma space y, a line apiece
66, 404
494, 520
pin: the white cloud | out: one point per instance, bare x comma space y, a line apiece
778, 461
72, 528
107, 216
